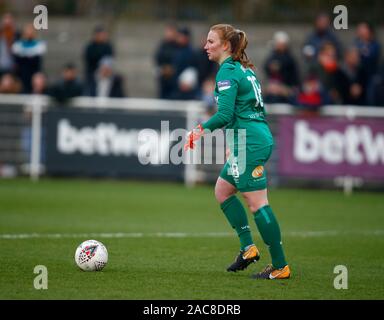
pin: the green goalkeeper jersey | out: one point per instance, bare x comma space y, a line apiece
240, 106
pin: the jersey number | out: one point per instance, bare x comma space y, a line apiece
257, 89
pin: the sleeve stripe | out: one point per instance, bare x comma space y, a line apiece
223, 88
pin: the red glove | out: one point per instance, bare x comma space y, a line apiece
193, 136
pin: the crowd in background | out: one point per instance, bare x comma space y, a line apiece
21, 66
328, 73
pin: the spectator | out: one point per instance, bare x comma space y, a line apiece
356, 77
187, 85
311, 96
9, 84
369, 49
95, 50
8, 35
68, 86
185, 55
322, 33
281, 70
375, 92
39, 83
107, 82
164, 58
28, 53
207, 95
330, 74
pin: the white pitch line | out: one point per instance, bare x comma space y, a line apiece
302, 234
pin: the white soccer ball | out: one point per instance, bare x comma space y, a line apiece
91, 255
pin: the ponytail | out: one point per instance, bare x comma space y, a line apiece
239, 53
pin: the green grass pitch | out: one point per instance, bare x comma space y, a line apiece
166, 241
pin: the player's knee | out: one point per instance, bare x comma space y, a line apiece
255, 206
255, 201
222, 194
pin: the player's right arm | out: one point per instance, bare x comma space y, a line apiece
226, 92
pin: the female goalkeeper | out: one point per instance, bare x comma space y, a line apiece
240, 106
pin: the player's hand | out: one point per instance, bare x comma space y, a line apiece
193, 136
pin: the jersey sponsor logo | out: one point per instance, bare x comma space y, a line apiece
223, 85
256, 115
258, 172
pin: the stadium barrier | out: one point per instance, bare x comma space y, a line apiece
343, 145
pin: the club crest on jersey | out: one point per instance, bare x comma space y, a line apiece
258, 172
223, 85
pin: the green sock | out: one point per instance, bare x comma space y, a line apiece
237, 217
270, 232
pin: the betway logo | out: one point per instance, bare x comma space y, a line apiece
106, 139
356, 145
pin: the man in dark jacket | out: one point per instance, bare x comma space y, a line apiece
68, 86
321, 34
164, 57
281, 71
185, 56
96, 49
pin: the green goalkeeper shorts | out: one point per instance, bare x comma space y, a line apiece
250, 175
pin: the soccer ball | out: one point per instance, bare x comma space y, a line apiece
91, 255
